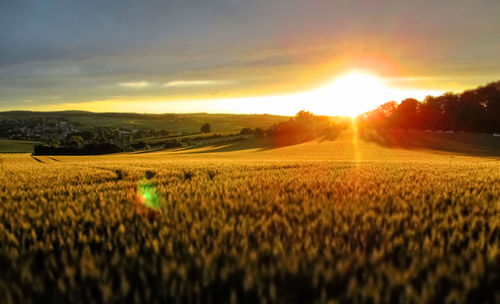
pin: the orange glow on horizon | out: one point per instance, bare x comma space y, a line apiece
349, 94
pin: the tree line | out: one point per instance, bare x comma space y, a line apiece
303, 123
476, 110
302, 127
101, 140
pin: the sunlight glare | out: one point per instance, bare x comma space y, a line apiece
349, 94
352, 94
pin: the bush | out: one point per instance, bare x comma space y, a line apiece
206, 128
246, 131
172, 144
139, 145
91, 149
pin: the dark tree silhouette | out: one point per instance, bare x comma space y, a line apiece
475, 110
259, 132
406, 114
246, 131
307, 124
206, 128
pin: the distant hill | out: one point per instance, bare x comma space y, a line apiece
173, 122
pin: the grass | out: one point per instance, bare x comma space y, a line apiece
16, 146
344, 220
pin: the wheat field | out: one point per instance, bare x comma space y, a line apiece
338, 221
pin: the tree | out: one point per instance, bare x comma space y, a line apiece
303, 125
75, 141
206, 128
259, 133
475, 110
164, 132
406, 113
378, 118
246, 131
430, 114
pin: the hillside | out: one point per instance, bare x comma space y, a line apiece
188, 123
341, 220
367, 145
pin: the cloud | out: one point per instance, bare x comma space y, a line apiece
171, 84
192, 83
136, 84
182, 49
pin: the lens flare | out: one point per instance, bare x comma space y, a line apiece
148, 195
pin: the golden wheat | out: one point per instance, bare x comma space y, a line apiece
392, 229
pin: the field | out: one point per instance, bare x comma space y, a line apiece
356, 219
188, 123
16, 146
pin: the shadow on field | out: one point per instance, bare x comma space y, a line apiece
262, 144
473, 144
37, 159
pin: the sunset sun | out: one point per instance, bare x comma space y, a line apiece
357, 91
352, 93
348, 94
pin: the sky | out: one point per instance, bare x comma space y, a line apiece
241, 56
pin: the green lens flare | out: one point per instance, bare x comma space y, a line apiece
147, 192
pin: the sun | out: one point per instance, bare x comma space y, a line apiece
349, 94
353, 93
